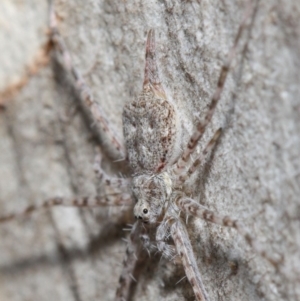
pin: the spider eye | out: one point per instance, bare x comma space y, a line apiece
145, 211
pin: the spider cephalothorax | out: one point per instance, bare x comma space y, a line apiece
151, 193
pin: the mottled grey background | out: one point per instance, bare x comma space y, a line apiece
47, 146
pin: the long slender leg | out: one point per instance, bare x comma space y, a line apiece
116, 193
187, 174
106, 132
89, 202
162, 234
185, 158
134, 255
111, 184
185, 251
190, 207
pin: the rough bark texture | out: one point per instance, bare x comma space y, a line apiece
47, 146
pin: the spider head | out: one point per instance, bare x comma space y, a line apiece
142, 211
151, 193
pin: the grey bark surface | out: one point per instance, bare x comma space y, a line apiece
47, 145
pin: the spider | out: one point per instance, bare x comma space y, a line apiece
160, 169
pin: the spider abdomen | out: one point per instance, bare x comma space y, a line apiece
150, 130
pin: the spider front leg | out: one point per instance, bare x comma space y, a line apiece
107, 135
190, 207
134, 257
185, 251
172, 226
162, 234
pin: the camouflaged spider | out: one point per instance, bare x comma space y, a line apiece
160, 169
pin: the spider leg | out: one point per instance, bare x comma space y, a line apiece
88, 202
134, 256
186, 175
115, 194
185, 251
112, 184
105, 129
190, 207
162, 234
201, 126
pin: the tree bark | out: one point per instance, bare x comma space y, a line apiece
48, 144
